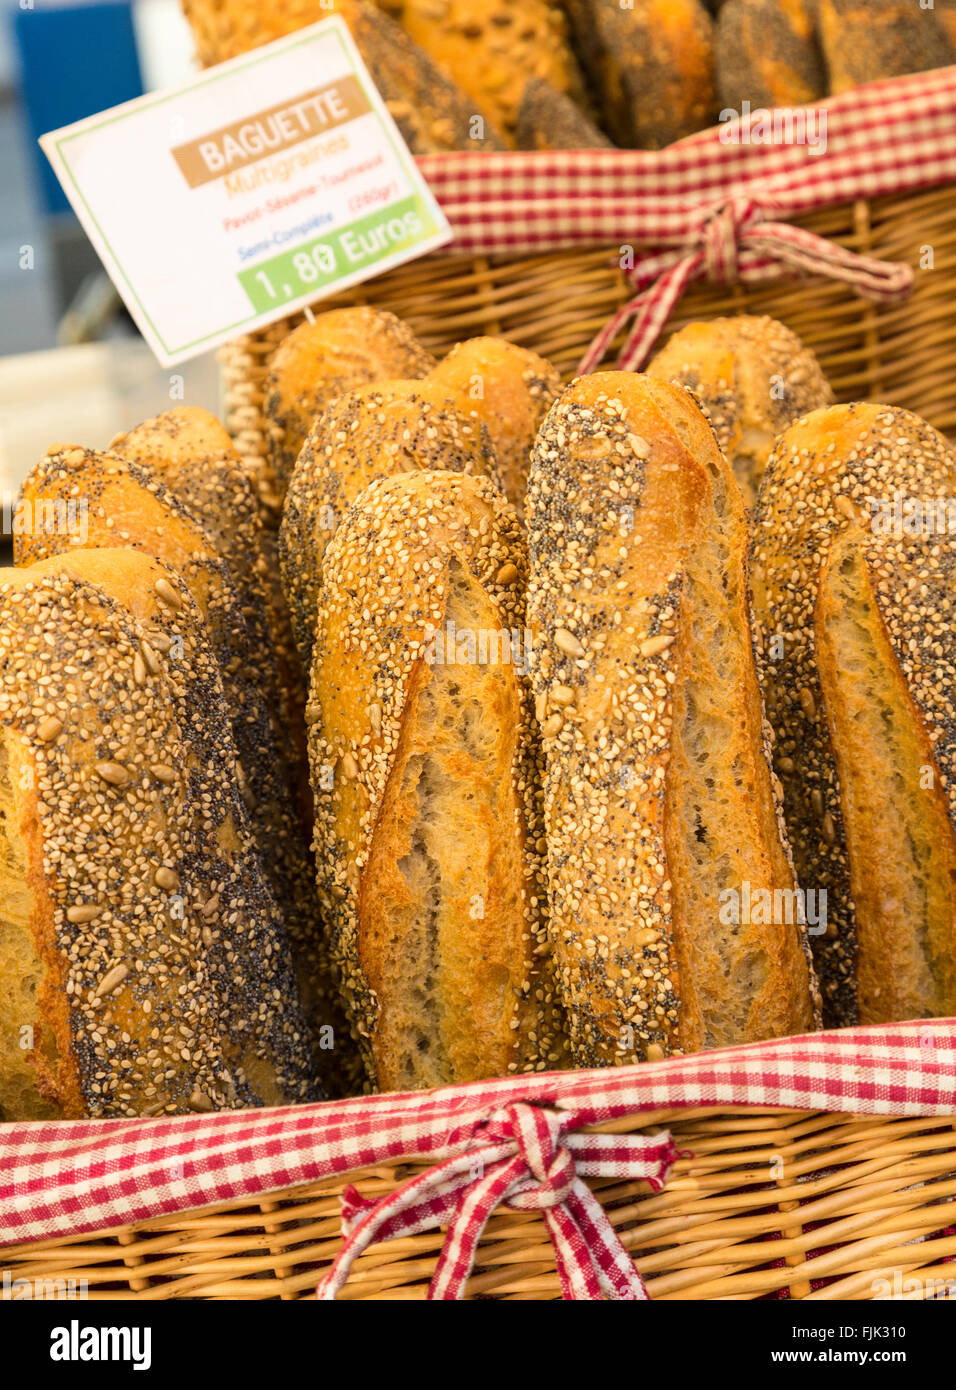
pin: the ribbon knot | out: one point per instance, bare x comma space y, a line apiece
527, 1158
721, 237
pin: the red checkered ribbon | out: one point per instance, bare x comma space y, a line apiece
718, 204
527, 1160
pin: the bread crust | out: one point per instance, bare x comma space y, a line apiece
427, 825
548, 119
768, 54
752, 377
826, 473
622, 493
869, 40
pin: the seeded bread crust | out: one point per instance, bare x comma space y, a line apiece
430, 110
768, 54
818, 481
869, 40
374, 432
892, 724
650, 66
167, 981
752, 377
491, 47
658, 794
338, 352
427, 828
131, 507
549, 119
510, 390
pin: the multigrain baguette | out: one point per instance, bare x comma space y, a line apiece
549, 119
768, 54
424, 771
130, 507
318, 361
659, 801
141, 953
650, 65
752, 377
430, 110
868, 40
891, 721
374, 432
833, 469
510, 390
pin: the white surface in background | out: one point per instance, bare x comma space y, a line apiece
164, 42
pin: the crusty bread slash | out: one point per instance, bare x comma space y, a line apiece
832, 469
867, 40
752, 377
338, 352
129, 506
490, 47
423, 766
651, 65
768, 54
429, 109
139, 943
373, 432
895, 760
510, 390
659, 803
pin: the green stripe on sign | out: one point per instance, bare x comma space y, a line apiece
321, 261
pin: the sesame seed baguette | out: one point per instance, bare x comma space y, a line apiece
658, 794
768, 54
130, 506
372, 432
752, 378
139, 941
895, 761
424, 771
510, 390
818, 481
868, 40
650, 65
338, 352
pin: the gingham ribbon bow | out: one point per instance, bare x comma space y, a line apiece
734, 242
526, 1158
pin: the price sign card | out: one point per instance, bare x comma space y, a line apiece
263, 184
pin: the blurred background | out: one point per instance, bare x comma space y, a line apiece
73, 368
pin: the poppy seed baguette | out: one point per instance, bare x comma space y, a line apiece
658, 794
423, 768
895, 759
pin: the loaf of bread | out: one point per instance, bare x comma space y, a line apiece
946, 13
430, 110
492, 47
551, 120
650, 65
394, 427
423, 767
510, 390
828, 471
752, 378
337, 352
660, 811
768, 54
889, 715
130, 507
143, 965
867, 40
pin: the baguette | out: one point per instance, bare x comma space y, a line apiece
869, 40
659, 801
423, 766
549, 119
374, 432
318, 361
827, 472
889, 715
130, 506
140, 948
768, 54
651, 65
752, 378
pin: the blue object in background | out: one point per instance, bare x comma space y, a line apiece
75, 60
